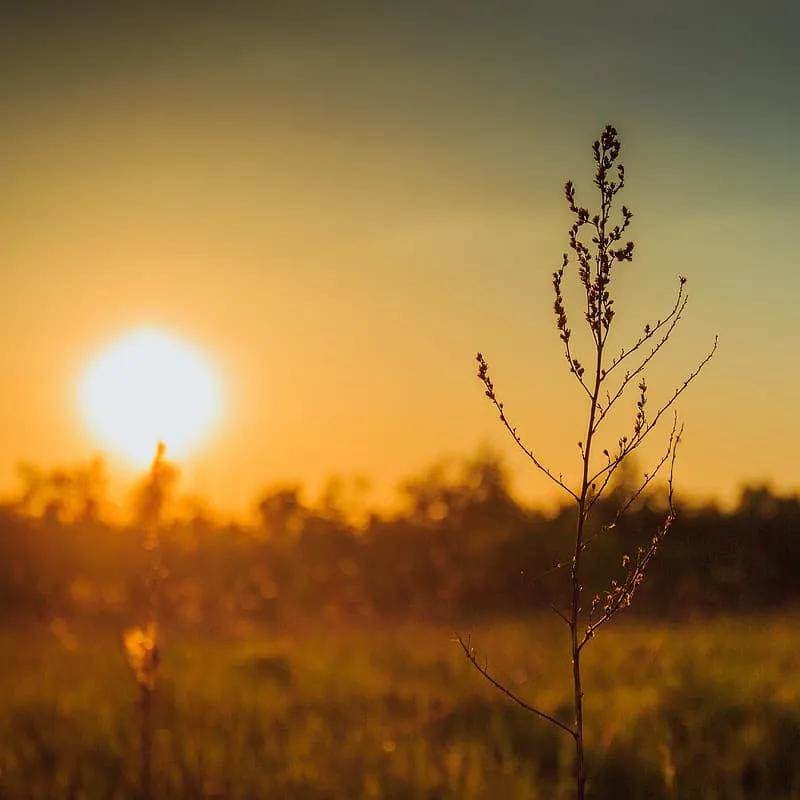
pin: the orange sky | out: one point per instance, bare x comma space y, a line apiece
340, 217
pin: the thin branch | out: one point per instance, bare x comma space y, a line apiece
577, 371
623, 509
621, 595
628, 446
670, 479
649, 332
483, 374
551, 569
562, 325
629, 376
560, 613
469, 652
648, 479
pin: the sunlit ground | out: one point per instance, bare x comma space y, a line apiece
707, 709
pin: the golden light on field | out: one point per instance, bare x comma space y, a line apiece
147, 387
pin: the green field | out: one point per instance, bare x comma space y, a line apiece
708, 709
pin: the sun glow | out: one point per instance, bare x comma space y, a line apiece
148, 387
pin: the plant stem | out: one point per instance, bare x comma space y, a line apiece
146, 741
575, 605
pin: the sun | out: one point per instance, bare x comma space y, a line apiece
149, 387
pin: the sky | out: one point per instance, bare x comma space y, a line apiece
340, 203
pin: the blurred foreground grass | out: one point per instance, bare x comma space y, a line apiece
705, 709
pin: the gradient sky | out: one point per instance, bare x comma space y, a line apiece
341, 203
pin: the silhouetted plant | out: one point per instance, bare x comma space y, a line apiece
603, 385
142, 642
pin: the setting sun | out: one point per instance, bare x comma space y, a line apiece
148, 387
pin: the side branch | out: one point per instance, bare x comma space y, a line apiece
648, 478
576, 369
630, 375
483, 374
621, 595
564, 332
469, 652
627, 446
621, 511
650, 332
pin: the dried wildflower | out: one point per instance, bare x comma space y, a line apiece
141, 648
595, 241
141, 643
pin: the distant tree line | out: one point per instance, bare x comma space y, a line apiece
462, 547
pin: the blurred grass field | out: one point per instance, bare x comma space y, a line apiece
704, 709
